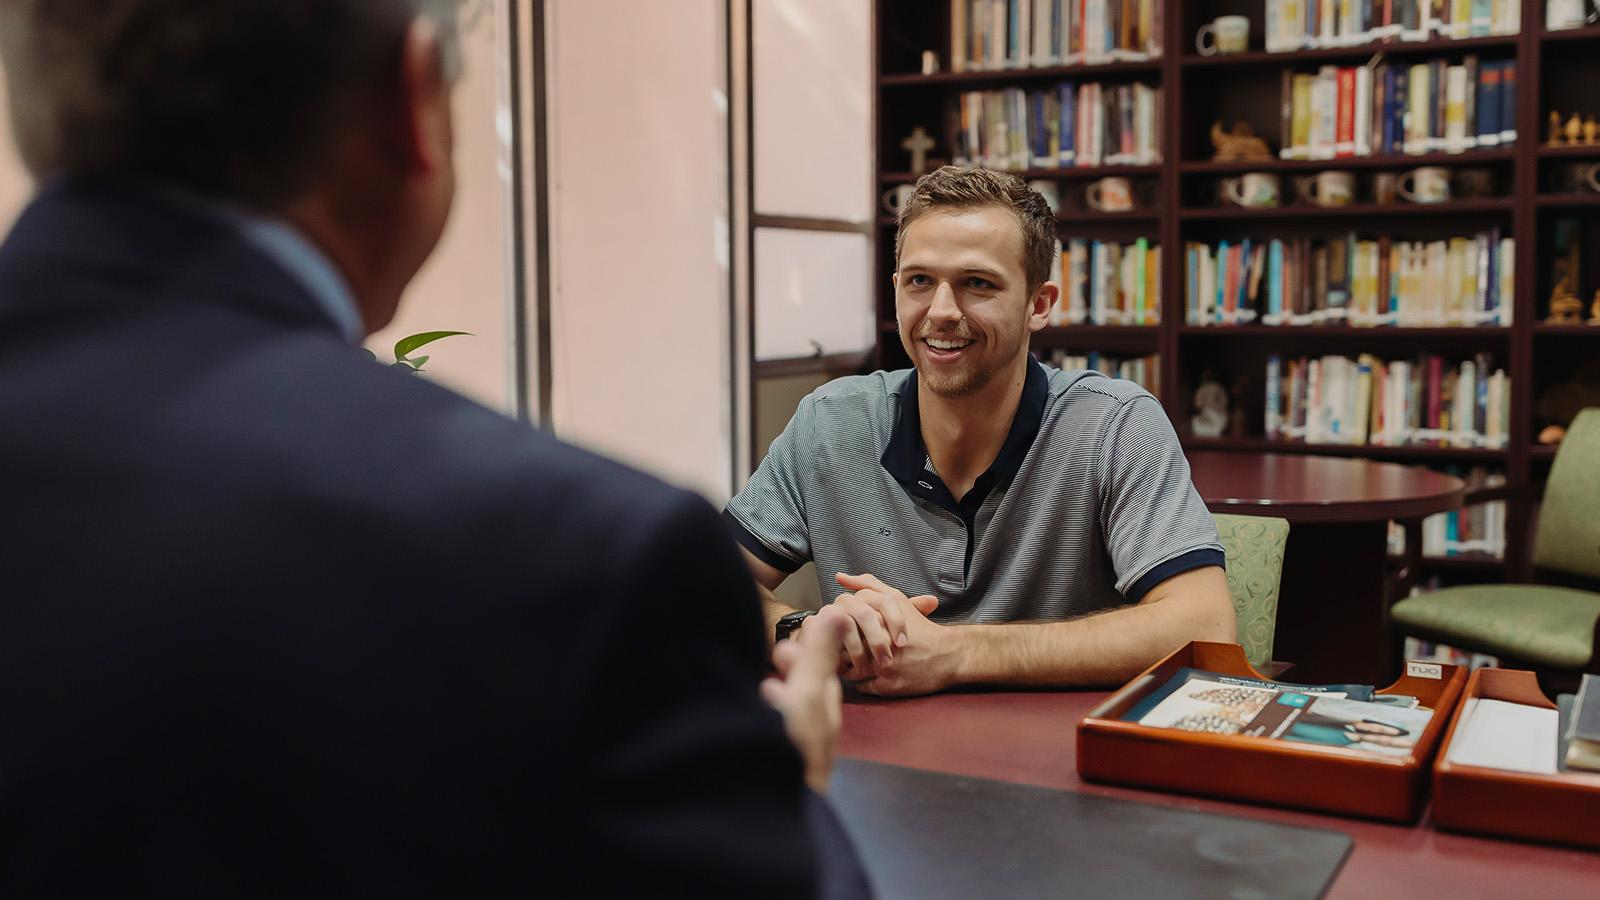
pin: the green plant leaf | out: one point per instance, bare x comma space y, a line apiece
405, 345
417, 362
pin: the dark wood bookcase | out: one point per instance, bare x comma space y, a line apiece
1555, 70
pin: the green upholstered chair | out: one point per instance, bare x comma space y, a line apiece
1254, 549
1546, 628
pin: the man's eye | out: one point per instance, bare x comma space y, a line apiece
921, 280
982, 284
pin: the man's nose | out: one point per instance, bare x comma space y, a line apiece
944, 306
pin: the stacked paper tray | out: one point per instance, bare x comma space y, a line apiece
1563, 809
1259, 770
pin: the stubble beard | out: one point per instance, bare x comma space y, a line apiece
968, 378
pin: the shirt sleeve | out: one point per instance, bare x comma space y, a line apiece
768, 517
1154, 522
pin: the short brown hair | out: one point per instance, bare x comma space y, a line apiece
953, 187
237, 100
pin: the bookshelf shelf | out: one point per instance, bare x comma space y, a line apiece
1036, 73
1392, 160
1346, 332
1084, 172
1352, 52
1091, 217
1569, 35
1568, 201
1369, 451
1354, 210
1542, 452
1542, 328
1579, 152
1105, 338
1465, 562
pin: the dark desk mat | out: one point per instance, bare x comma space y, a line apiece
928, 835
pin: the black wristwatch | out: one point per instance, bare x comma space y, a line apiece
789, 623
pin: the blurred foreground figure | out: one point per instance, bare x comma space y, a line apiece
277, 621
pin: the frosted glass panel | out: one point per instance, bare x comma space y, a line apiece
812, 80
636, 137
812, 291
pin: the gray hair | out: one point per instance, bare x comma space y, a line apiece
236, 99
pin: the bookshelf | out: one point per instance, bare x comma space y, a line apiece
1529, 203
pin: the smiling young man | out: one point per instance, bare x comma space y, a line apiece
986, 519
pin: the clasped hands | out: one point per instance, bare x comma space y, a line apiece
892, 648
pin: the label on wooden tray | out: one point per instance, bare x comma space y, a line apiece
1424, 670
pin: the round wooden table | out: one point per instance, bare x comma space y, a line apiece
1333, 608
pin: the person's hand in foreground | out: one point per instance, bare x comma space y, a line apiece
806, 691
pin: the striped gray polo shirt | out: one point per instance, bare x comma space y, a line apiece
1088, 505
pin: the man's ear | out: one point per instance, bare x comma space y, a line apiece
1044, 299
422, 125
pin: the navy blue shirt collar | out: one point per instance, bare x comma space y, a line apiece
906, 456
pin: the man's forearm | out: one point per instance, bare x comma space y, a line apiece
1104, 649
772, 610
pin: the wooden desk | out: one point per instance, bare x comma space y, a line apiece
1031, 738
1333, 612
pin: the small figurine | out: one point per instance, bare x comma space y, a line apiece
1239, 144
1555, 129
1211, 407
1574, 129
1565, 307
1594, 309
1591, 129
1551, 434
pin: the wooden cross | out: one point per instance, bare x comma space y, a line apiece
918, 144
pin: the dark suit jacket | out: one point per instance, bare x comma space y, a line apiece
278, 621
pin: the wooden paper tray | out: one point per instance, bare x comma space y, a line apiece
1563, 809
1281, 773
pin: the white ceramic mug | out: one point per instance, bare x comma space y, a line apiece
1228, 34
1113, 193
1591, 176
896, 197
1050, 191
1328, 188
1252, 189
1429, 184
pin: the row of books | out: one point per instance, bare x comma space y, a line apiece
1349, 280
1429, 107
1368, 401
1313, 24
1107, 283
1478, 530
1017, 34
1145, 371
1432, 651
1068, 125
